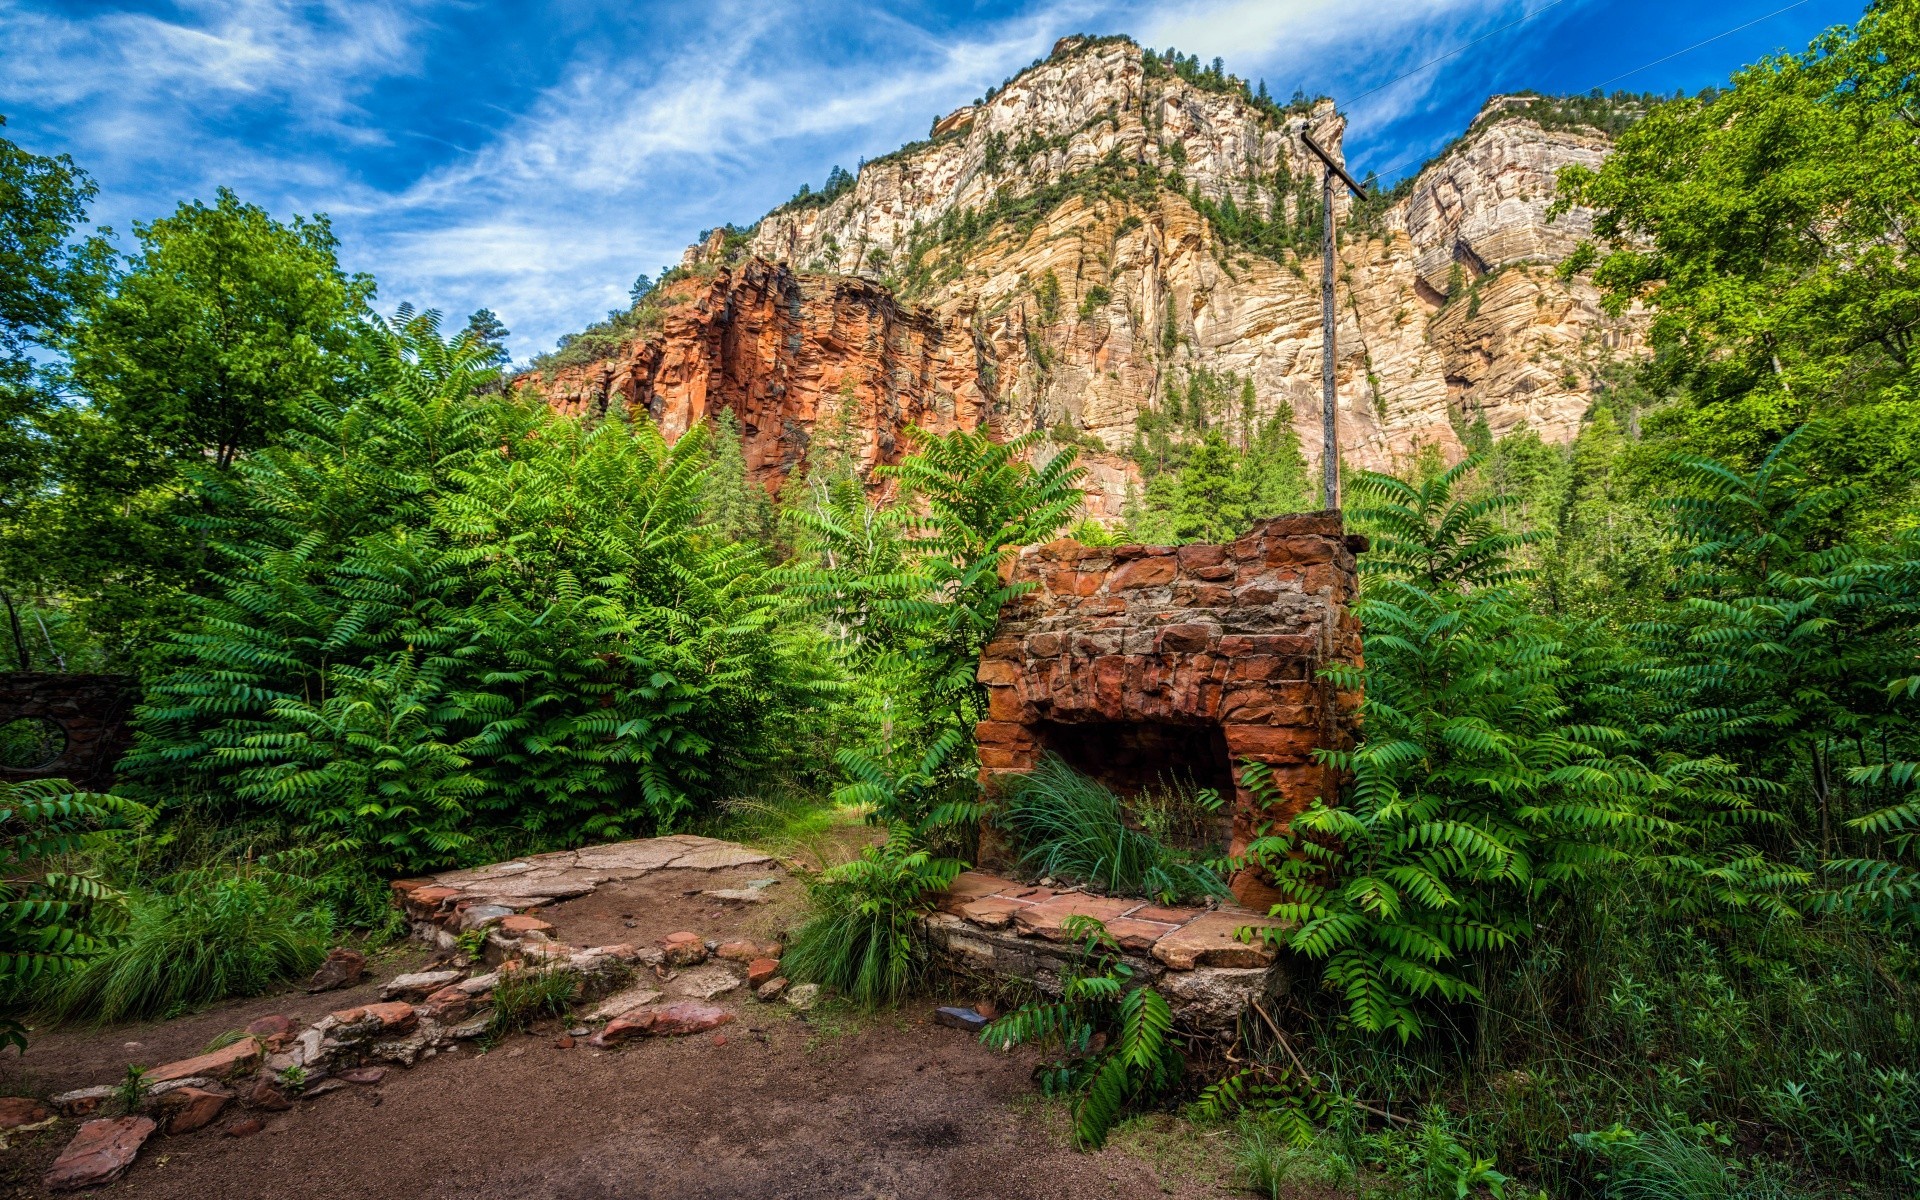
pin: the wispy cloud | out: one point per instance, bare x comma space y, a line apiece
533, 155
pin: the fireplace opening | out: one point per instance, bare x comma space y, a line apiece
1158, 768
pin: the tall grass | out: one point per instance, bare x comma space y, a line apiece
196, 938
1073, 827
864, 938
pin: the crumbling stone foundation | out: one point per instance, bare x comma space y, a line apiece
1134, 661
91, 711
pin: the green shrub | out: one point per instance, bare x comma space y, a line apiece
54, 913
197, 938
447, 625
1072, 827
1139, 1061
864, 937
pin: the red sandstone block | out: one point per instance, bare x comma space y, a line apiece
1045, 645
1005, 704
1186, 639
1289, 645
1022, 758
1201, 556
997, 673
1002, 733
1220, 574
1064, 550
1064, 581
1252, 667
1002, 648
1296, 550
1212, 595
1270, 742
1258, 594
1145, 572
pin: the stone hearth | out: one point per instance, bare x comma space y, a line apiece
1138, 662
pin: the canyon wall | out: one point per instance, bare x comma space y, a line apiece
1046, 261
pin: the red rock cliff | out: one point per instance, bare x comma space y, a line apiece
784, 352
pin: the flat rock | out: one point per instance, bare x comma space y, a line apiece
100, 1153
479, 985
364, 1076
191, 1108
704, 983
1048, 919
772, 989
804, 997
760, 970
380, 1020
1209, 940
418, 984
991, 912
343, 968
738, 895
959, 1018
520, 924
970, 886
738, 951
19, 1111
480, 916
719, 856
82, 1102
672, 1020
275, 1030
625, 1001
218, 1065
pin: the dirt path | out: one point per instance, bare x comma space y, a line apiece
778, 1104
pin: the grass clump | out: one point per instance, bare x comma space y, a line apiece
864, 938
1073, 827
522, 997
196, 938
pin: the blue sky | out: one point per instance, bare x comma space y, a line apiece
533, 156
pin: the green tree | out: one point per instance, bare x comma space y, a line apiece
446, 623
45, 274
1771, 228
733, 506
217, 332
488, 330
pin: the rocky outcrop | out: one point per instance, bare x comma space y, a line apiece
1046, 261
787, 352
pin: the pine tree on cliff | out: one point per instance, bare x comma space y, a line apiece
733, 507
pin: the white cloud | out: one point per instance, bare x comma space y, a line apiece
651, 121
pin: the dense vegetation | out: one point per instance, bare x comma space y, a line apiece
1618, 899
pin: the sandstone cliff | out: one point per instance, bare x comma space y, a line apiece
1054, 257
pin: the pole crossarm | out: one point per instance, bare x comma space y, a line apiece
1357, 188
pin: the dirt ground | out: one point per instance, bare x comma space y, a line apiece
777, 1104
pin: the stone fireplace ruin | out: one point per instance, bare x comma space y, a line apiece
1134, 663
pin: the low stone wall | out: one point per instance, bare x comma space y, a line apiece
92, 711
1198, 958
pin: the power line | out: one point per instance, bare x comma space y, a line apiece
1398, 163
1462, 50
1690, 49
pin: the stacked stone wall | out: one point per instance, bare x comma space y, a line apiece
1229, 637
92, 712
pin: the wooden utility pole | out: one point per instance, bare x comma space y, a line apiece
1329, 418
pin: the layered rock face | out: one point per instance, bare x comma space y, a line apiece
1045, 262
786, 352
